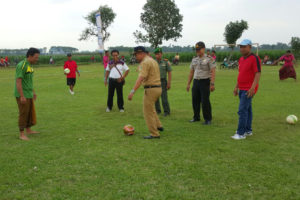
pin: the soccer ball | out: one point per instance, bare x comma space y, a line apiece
128, 130
67, 70
291, 119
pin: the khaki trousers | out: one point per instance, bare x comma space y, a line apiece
27, 116
150, 97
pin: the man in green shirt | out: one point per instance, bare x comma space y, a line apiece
165, 68
25, 94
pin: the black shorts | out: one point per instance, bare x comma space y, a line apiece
71, 81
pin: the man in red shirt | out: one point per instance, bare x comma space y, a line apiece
246, 88
71, 77
2, 64
6, 61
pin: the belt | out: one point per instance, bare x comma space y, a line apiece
114, 79
201, 79
151, 86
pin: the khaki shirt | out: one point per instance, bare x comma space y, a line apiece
202, 67
150, 72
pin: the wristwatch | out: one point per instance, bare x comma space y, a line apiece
132, 91
212, 84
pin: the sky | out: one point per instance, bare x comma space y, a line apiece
46, 23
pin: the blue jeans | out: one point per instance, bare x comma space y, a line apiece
245, 113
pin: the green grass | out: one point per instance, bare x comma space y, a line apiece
82, 153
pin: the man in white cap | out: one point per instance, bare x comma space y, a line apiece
246, 88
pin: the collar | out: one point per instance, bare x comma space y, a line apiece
26, 63
116, 63
245, 57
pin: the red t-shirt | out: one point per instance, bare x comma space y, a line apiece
72, 66
248, 67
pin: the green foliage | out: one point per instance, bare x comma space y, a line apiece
161, 20
184, 57
234, 30
107, 17
275, 54
295, 43
59, 60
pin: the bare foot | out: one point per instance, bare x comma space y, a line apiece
24, 137
32, 132
29, 131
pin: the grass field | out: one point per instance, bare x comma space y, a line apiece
82, 153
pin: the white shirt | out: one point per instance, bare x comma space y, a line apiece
114, 72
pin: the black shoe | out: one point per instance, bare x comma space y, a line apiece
195, 120
207, 123
152, 137
166, 114
160, 128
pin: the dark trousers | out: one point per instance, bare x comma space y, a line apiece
113, 85
200, 95
245, 113
164, 98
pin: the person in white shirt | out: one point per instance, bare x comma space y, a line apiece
116, 72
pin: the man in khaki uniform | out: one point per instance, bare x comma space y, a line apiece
149, 77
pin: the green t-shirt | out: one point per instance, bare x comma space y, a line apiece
25, 72
164, 67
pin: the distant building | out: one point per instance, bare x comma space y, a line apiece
56, 51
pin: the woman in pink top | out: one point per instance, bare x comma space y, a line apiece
105, 61
213, 55
287, 70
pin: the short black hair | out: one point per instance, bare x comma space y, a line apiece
31, 51
208, 50
115, 51
106, 51
288, 51
213, 51
200, 45
139, 49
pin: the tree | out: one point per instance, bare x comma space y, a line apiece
161, 20
107, 17
295, 43
233, 31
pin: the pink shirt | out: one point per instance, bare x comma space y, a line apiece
288, 59
214, 57
105, 61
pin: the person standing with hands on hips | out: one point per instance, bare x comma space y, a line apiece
149, 76
246, 88
202, 70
